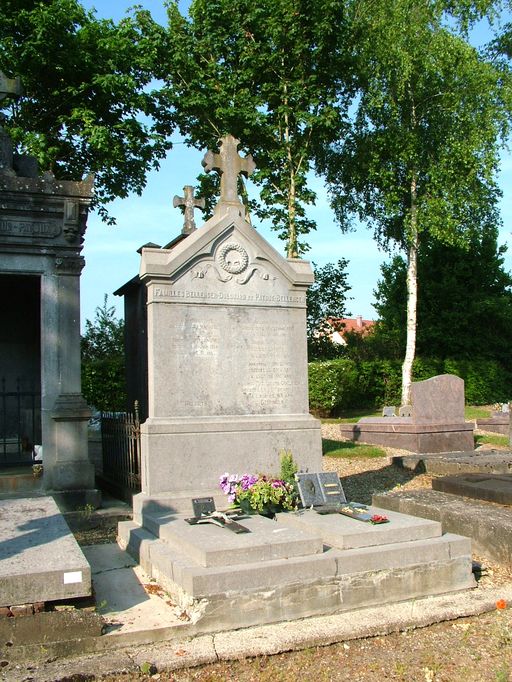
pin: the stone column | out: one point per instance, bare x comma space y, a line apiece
69, 475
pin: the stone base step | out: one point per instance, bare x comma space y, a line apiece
487, 524
18, 482
246, 589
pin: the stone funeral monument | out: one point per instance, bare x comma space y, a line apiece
42, 226
433, 423
227, 391
227, 356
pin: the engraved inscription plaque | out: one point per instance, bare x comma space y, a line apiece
25, 228
232, 361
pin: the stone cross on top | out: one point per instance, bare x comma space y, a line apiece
230, 164
190, 202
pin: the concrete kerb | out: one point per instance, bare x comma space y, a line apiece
184, 651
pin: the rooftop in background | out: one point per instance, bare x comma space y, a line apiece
344, 325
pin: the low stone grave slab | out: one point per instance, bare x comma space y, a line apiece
497, 423
488, 525
491, 487
40, 559
405, 434
297, 566
341, 532
210, 545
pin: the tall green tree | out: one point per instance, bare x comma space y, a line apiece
103, 362
422, 155
262, 71
465, 302
86, 107
326, 298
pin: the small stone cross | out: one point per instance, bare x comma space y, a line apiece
230, 164
190, 202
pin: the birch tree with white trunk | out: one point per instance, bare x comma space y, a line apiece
423, 152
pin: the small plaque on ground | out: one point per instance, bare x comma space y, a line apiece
205, 513
322, 490
203, 506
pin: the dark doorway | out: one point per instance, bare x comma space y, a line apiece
20, 368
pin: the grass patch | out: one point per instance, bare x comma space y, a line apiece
477, 412
352, 416
347, 449
494, 439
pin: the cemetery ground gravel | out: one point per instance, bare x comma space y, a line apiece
475, 649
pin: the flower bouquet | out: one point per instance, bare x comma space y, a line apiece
259, 494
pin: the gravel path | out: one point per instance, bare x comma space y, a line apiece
362, 477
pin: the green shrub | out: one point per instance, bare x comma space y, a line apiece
103, 383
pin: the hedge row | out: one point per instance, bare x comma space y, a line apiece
339, 385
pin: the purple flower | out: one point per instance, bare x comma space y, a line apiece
248, 480
228, 482
278, 484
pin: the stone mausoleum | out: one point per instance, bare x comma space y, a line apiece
42, 225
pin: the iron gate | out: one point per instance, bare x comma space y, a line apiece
20, 422
120, 441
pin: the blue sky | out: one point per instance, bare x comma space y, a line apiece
111, 252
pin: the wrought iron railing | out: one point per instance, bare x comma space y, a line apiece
120, 442
20, 421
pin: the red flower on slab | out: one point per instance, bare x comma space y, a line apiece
378, 518
501, 604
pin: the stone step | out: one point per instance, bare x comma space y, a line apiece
19, 482
490, 487
209, 545
488, 525
40, 559
335, 580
